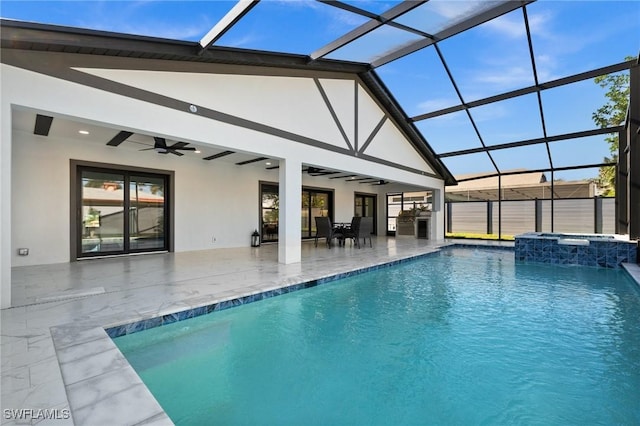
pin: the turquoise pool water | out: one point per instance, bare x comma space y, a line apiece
461, 337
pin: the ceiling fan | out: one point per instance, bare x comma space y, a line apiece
315, 171
161, 147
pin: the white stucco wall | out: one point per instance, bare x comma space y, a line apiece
218, 200
5, 203
207, 206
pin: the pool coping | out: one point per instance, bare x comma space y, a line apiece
101, 385
103, 388
633, 270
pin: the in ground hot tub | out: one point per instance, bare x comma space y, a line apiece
603, 250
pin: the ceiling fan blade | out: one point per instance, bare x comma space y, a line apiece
181, 146
174, 152
119, 138
178, 145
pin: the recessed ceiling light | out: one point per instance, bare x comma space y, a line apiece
197, 151
83, 132
267, 163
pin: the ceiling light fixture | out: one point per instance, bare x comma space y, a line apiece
268, 163
197, 151
83, 132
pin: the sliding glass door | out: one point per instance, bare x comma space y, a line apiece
270, 205
365, 206
147, 213
121, 212
315, 202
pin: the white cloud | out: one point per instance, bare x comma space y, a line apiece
454, 9
436, 104
505, 78
339, 18
512, 25
508, 25
312, 4
170, 30
129, 22
490, 112
244, 40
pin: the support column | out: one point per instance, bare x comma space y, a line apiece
289, 225
499, 207
489, 217
597, 215
538, 215
633, 140
622, 191
438, 220
5, 206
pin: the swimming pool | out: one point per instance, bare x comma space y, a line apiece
459, 337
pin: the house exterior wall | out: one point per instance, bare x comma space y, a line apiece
207, 207
269, 117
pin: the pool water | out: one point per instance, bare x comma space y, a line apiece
460, 337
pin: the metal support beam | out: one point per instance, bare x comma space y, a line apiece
499, 207
449, 217
396, 11
553, 196
597, 215
633, 140
554, 138
489, 217
226, 23
474, 20
588, 75
538, 215
622, 186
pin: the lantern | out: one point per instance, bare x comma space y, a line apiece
255, 239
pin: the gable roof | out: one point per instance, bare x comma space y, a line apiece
51, 38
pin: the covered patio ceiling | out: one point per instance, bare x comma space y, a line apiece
96, 135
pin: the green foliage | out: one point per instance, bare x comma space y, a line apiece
611, 114
607, 178
472, 236
100, 183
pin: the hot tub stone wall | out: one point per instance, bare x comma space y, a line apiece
600, 253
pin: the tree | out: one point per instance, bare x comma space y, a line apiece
611, 114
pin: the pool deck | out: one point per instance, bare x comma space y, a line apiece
56, 355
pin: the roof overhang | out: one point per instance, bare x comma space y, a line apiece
41, 37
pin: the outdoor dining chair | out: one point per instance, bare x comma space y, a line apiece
324, 229
361, 227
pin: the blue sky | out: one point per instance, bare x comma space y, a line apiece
568, 37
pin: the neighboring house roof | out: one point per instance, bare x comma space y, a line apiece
100, 196
41, 37
475, 180
520, 186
